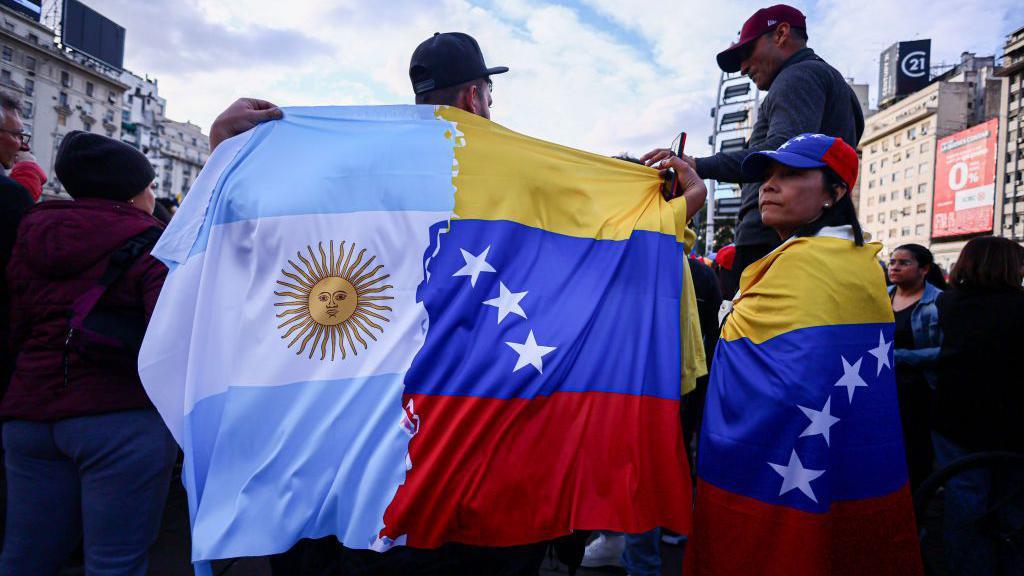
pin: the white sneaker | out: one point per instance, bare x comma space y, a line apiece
605, 550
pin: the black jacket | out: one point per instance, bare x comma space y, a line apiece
14, 200
807, 95
979, 396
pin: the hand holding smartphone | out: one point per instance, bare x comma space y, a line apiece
671, 188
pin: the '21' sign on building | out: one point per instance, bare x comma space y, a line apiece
965, 181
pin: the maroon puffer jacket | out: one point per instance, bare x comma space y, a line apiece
63, 248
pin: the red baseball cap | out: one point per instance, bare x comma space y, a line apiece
762, 21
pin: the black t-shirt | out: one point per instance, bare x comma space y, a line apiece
907, 377
904, 337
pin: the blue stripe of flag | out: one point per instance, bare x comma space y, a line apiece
611, 309
753, 417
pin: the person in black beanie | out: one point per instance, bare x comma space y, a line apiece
85, 449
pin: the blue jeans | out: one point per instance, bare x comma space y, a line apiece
642, 556
971, 548
100, 478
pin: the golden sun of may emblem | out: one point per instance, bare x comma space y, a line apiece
332, 302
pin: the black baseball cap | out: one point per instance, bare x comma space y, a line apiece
446, 60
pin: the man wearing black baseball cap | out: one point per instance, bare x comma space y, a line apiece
807, 96
448, 69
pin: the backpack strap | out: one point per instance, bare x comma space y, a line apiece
119, 263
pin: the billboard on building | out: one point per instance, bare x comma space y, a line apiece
904, 68
965, 181
31, 8
92, 34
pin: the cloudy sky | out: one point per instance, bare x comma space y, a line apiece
603, 75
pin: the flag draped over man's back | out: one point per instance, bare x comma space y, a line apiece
402, 325
801, 468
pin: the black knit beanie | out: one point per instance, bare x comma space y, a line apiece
94, 166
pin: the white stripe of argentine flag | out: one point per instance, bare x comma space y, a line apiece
270, 255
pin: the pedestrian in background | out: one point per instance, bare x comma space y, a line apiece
15, 155
807, 96
979, 402
87, 455
917, 341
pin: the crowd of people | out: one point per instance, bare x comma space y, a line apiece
88, 460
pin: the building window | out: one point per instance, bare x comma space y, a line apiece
871, 184
871, 200
892, 232
908, 193
905, 211
871, 218
923, 147
911, 133
922, 208
881, 217
908, 173
30, 63
110, 133
881, 199
126, 116
919, 229
86, 125
871, 168
88, 88
894, 195
922, 188
33, 38
5, 77
65, 79
27, 109
922, 168
62, 120
883, 163
63, 99
893, 214
30, 86
8, 54
895, 176
905, 231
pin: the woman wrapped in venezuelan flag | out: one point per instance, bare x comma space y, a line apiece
800, 465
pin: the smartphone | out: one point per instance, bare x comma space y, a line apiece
672, 183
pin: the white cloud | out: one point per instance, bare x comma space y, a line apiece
603, 75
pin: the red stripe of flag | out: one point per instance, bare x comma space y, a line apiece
738, 535
494, 472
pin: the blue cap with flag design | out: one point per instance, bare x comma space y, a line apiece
807, 151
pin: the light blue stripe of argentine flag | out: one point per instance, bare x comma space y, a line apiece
318, 160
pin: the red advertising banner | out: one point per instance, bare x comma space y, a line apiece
965, 181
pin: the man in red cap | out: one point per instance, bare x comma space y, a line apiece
807, 95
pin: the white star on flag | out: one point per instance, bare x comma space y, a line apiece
799, 138
821, 420
530, 353
881, 353
475, 265
851, 379
507, 302
784, 146
794, 475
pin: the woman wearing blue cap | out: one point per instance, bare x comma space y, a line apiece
801, 467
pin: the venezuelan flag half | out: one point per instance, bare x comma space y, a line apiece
801, 468
409, 325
